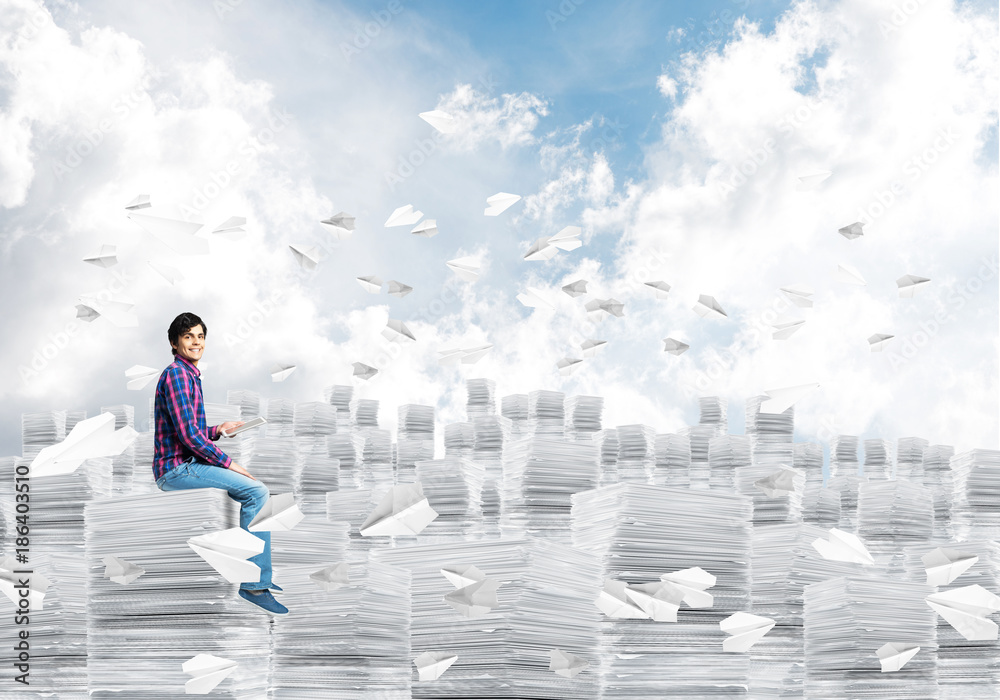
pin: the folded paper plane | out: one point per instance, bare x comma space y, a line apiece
600, 309
894, 655
10, 584
568, 365
427, 228
467, 268
475, 600
397, 331
465, 356
306, 256
781, 482
843, 546
397, 289
708, 307
370, 283
139, 376
692, 583
675, 347
615, 602
332, 577
534, 298
660, 600
280, 372
280, 513
340, 224
140, 202
500, 202
878, 341
208, 672
909, 285
745, 630
849, 274
442, 121
92, 437
404, 510
364, 371
590, 346
662, 289
403, 216
780, 400
227, 552
121, 571
945, 565
785, 328
462, 575
547, 247
811, 181
106, 257
431, 664
576, 289
119, 312
177, 234
800, 295
967, 610
565, 664
852, 231
232, 228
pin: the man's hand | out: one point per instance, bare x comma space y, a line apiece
229, 425
240, 470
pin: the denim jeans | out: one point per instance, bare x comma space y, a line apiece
250, 494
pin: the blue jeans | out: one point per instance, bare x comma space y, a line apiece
250, 494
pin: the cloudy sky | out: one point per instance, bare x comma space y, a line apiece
675, 135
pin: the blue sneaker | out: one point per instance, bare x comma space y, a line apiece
264, 600
275, 588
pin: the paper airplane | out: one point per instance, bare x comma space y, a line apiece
534, 298
167, 272
467, 268
966, 609
591, 346
849, 275
692, 583
614, 602
118, 312
800, 295
708, 307
403, 216
280, 373
500, 202
785, 328
370, 283
431, 664
843, 546
662, 289
333, 577
121, 571
462, 575
894, 655
465, 356
208, 672
878, 341
306, 256
398, 289
280, 513
442, 121
176, 234
909, 284
568, 365
565, 664
87, 313
107, 257
340, 224
475, 600
576, 289
675, 347
364, 371
9, 584
546, 248
781, 482
227, 552
780, 400
745, 630
660, 600
91, 437
812, 180
600, 309
232, 228
140, 202
852, 231
945, 565
426, 228
396, 330
404, 510
139, 377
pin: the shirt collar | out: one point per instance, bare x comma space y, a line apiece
186, 363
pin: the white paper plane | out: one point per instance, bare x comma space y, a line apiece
403, 216
232, 228
176, 234
692, 583
852, 231
894, 655
87, 313
121, 571
10, 584
107, 257
139, 377
546, 247
91, 437
541, 250
780, 400
745, 630
662, 289
843, 546
565, 664
167, 272
660, 600
397, 331
119, 312
227, 552
811, 181
404, 510
576, 289
465, 356
280, 513
849, 274
427, 228
877, 342
340, 225
397, 289
442, 121
799, 294
966, 609
614, 602
140, 202
784, 328
280, 372
568, 365
500, 202
909, 285
306, 256
707, 306
945, 565
364, 371
475, 600
462, 575
675, 347
590, 346
370, 283
467, 268
534, 298
431, 664
600, 309
208, 672
333, 577
781, 482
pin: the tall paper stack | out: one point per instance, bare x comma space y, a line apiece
515, 407
607, 441
583, 416
546, 413
726, 454
938, 478
314, 419
673, 460
976, 509
636, 453
845, 478
878, 463
122, 466
453, 487
339, 396
481, 395
910, 458
893, 514
248, 401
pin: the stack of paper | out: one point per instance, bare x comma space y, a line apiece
315, 418
808, 458
636, 453
341, 448
515, 408
181, 605
773, 450
713, 411
219, 413
339, 396
878, 463
416, 422
938, 478
546, 412
277, 463
364, 412
540, 476
607, 441
910, 458
122, 466
976, 509
320, 474
374, 447
453, 487
459, 439
248, 401
491, 433
583, 416
481, 397
894, 514
57, 502
142, 470
72, 418
353, 506
42, 429
699, 437
673, 460
727, 454
848, 619
408, 453
844, 455
845, 478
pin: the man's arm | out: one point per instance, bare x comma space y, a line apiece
177, 391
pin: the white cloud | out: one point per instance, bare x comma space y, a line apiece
667, 86
509, 120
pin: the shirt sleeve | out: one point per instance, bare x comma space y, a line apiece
178, 399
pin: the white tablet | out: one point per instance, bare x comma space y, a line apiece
252, 423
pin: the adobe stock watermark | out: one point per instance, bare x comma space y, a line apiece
565, 9
713, 28
911, 344
901, 14
610, 134
249, 324
366, 33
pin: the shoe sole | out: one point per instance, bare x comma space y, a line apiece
272, 613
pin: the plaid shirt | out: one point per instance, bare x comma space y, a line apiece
179, 412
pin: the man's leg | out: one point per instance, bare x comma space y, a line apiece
249, 493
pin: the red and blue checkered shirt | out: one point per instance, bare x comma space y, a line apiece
179, 413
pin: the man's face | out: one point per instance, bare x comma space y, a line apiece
191, 344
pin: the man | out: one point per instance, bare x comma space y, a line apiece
185, 458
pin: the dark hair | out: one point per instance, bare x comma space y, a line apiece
181, 325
